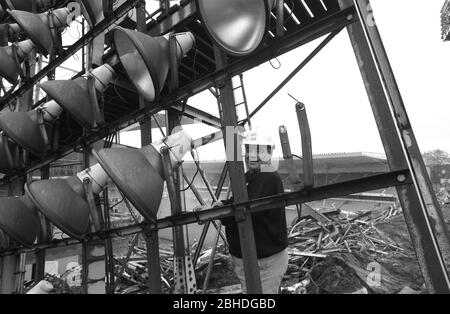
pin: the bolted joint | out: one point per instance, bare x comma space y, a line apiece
300, 107
221, 83
240, 214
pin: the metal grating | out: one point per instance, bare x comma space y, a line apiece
121, 99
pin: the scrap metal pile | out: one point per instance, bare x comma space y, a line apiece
330, 257
310, 238
132, 275
339, 257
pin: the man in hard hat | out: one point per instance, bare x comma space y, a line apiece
269, 226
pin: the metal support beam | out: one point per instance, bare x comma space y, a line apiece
280, 18
292, 74
371, 183
173, 20
66, 54
196, 114
237, 180
183, 267
220, 184
13, 267
293, 175
421, 212
45, 235
93, 253
283, 45
151, 237
11, 272
184, 278
307, 162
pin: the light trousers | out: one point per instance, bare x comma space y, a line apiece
271, 270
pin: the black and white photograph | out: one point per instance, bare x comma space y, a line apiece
225, 155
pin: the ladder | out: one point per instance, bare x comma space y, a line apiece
239, 95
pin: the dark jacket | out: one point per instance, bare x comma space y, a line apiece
269, 226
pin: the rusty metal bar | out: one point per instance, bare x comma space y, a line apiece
294, 178
66, 54
211, 260
371, 183
280, 18
307, 162
394, 130
45, 235
237, 179
214, 137
287, 43
220, 184
200, 199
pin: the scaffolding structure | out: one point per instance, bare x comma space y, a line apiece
292, 24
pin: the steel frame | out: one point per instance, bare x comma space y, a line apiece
370, 183
408, 173
280, 46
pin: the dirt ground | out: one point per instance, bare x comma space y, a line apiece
349, 272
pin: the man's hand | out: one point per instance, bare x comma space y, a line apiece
203, 207
199, 208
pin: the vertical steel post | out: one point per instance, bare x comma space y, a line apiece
233, 150
109, 267
9, 271
93, 252
13, 266
401, 149
220, 184
293, 175
45, 235
280, 18
164, 5
307, 162
183, 267
151, 237
93, 255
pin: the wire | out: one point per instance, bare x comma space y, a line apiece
195, 53
117, 203
195, 59
197, 163
297, 156
117, 92
279, 64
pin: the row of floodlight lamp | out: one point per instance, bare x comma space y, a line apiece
237, 27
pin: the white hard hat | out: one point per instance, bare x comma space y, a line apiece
71, 265
259, 137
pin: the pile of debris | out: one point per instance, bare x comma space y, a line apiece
310, 238
443, 197
132, 274
368, 253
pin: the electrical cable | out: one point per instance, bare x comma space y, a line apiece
279, 64
117, 203
197, 163
117, 92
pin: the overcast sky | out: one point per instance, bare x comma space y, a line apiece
339, 113
331, 86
